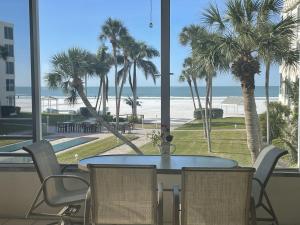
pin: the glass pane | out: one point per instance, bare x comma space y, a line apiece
200, 78
67, 35
15, 79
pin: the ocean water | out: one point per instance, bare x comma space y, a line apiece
218, 91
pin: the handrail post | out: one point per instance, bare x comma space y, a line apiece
165, 73
35, 70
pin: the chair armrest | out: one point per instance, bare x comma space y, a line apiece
66, 177
65, 167
160, 190
176, 202
87, 208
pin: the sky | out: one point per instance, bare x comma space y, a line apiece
77, 23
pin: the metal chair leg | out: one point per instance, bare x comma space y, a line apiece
271, 208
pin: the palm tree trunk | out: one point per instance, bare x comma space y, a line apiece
104, 95
251, 120
122, 85
130, 80
99, 93
207, 113
192, 93
134, 92
268, 64
116, 87
82, 95
200, 106
210, 103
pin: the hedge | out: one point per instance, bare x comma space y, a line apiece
216, 113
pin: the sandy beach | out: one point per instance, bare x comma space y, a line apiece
181, 107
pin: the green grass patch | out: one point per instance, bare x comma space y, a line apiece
227, 144
92, 149
10, 141
222, 123
147, 126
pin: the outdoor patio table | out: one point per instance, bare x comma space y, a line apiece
164, 164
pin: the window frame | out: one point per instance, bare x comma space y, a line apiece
10, 70
8, 33
10, 50
10, 85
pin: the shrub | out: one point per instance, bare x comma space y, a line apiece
215, 113
7, 110
134, 119
121, 119
85, 112
107, 117
18, 110
53, 119
278, 115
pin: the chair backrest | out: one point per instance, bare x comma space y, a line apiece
123, 194
46, 164
216, 196
264, 165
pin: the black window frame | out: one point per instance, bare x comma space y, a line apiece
10, 85
8, 33
10, 68
10, 50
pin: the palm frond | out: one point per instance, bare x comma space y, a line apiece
213, 17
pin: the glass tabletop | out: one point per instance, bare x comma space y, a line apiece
163, 164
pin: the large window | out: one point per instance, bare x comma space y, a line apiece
10, 67
16, 128
10, 85
10, 50
8, 33
138, 89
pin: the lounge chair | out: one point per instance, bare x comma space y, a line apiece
264, 165
214, 197
124, 195
55, 194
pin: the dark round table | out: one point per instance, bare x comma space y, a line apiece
172, 164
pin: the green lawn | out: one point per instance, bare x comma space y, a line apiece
10, 141
222, 123
147, 126
91, 149
227, 144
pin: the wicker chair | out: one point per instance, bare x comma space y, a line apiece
214, 197
55, 194
124, 195
264, 165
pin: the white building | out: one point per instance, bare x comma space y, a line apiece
291, 7
7, 67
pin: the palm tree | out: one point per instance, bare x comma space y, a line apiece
69, 70
275, 47
103, 63
237, 39
129, 101
189, 36
185, 76
208, 64
140, 55
113, 30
